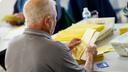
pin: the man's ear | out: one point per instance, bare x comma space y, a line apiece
47, 22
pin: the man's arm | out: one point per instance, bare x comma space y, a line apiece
17, 12
63, 60
73, 43
89, 63
90, 53
18, 16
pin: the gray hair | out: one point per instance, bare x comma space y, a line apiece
35, 11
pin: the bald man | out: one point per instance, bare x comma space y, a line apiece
35, 51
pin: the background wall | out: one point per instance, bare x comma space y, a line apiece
64, 3
6, 7
118, 3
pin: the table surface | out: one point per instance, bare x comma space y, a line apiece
6, 34
4, 28
115, 62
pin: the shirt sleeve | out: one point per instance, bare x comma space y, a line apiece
68, 64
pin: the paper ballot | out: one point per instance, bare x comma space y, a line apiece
88, 35
85, 40
92, 40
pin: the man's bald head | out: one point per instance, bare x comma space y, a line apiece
33, 3
35, 10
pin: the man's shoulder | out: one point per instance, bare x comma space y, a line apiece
56, 44
59, 45
16, 39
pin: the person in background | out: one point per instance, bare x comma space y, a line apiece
35, 51
18, 12
18, 9
121, 9
63, 19
103, 7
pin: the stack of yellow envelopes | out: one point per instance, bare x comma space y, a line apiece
86, 32
75, 31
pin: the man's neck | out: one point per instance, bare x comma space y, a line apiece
37, 27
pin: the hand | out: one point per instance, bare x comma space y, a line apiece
91, 49
19, 15
12, 22
75, 42
90, 53
17, 18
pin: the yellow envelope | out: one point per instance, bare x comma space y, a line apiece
123, 29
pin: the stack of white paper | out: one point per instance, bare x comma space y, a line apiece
120, 44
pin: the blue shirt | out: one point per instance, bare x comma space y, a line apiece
58, 7
20, 5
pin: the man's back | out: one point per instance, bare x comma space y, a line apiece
35, 52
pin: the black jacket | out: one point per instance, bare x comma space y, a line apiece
75, 8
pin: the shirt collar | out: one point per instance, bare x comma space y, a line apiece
37, 33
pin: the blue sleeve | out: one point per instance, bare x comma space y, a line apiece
20, 5
58, 8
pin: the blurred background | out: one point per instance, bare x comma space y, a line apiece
72, 12
6, 7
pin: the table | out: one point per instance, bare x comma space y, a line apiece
115, 62
7, 32
4, 28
